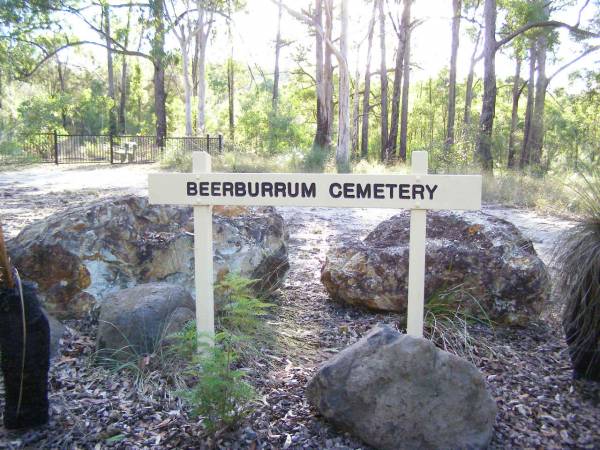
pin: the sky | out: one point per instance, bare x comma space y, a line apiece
255, 27
430, 44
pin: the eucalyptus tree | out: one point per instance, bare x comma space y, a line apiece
491, 46
384, 82
456, 14
366, 106
403, 32
341, 55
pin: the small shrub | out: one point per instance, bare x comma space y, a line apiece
577, 259
220, 395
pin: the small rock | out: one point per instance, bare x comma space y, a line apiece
136, 320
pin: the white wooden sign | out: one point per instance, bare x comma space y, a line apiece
417, 192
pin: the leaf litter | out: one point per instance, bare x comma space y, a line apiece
527, 370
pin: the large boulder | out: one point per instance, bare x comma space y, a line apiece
136, 320
398, 392
475, 254
79, 256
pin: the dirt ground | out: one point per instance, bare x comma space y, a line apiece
527, 370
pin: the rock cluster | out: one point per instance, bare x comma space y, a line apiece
397, 392
474, 253
79, 256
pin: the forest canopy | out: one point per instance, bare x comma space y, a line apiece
492, 83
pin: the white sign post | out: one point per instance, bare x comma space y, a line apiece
418, 192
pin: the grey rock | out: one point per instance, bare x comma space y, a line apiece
79, 256
481, 256
397, 392
136, 320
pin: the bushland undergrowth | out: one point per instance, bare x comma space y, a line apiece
551, 193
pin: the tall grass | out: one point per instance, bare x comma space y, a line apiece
449, 315
577, 258
549, 193
552, 193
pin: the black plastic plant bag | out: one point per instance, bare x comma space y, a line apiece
25, 358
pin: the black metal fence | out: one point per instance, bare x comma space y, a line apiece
69, 149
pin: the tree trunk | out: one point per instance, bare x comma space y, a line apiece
486, 120
204, 25
355, 112
384, 84
328, 69
231, 97
457, 7
276, 71
195, 62
112, 119
469, 87
366, 107
63, 90
121, 119
319, 141
405, 91
323, 78
395, 118
525, 155
537, 118
342, 156
516, 93
187, 85
158, 58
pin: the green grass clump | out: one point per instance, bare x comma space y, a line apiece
448, 316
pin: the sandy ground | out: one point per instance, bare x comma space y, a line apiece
527, 371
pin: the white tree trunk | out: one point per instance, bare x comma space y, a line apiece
187, 87
203, 34
201, 119
342, 156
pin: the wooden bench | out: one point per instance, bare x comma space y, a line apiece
125, 152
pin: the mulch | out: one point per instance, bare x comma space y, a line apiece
527, 371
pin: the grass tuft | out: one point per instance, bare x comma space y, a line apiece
577, 258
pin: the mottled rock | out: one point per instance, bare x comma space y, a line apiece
79, 256
484, 257
135, 320
397, 392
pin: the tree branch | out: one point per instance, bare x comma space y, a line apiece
548, 23
49, 54
573, 61
307, 20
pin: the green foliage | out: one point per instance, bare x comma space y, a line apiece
577, 258
220, 395
448, 316
240, 312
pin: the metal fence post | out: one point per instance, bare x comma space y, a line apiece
208, 144
220, 143
55, 147
112, 151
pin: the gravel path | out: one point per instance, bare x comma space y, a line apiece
527, 370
